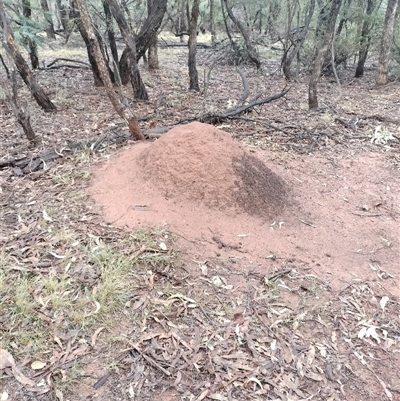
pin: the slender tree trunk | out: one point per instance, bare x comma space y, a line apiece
47, 16
212, 22
150, 27
63, 11
273, 14
251, 51
386, 43
12, 50
110, 33
33, 52
20, 113
289, 56
182, 20
192, 44
89, 47
139, 90
365, 40
153, 47
123, 112
319, 59
153, 54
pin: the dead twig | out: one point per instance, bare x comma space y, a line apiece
67, 60
212, 118
262, 123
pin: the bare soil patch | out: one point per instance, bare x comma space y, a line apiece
337, 217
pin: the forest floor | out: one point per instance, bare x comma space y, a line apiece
114, 285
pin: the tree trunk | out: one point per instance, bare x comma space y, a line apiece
47, 16
33, 52
365, 40
251, 51
139, 90
273, 14
12, 50
192, 44
19, 112
89, 47
110, 33
212, 22
386, 43
153, 47
123, 112
125, 67
63, 11
319, 59
289, 56
150, 27
153, 54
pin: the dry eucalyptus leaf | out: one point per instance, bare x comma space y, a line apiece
59, 395
37, 365
6, 359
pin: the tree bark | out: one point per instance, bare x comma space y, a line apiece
192, 44
33, 52
153, 46
289, 56
386, 43
110, 33
47, 16
20, 113
63, 11
212, 22
150, 27
251, 51
22, 66
319, 59
123, 112
139, 90
365, 40
89, 47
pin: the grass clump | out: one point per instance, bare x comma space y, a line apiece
89, 288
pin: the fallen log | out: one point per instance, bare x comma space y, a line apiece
28, 164
31, 163
214, 118
163, 44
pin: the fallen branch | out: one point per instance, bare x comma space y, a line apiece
69, 61
211, 118
163, 44
32, 163
262, 123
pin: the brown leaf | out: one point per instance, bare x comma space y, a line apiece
96, 334
7, 361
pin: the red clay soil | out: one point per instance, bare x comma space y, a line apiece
336, 217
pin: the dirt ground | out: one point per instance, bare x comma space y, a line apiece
284, 232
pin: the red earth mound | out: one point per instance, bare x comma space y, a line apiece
203, 164
225, 205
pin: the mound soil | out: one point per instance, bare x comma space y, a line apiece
203, 164
226, 206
